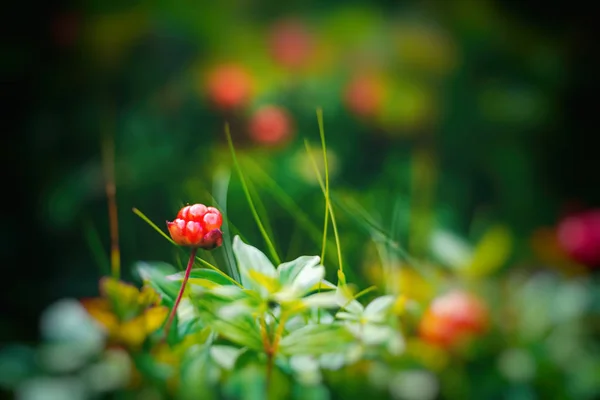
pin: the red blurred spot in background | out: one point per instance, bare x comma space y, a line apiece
291, 43
229, 86
453, 318
579, 235
270, 125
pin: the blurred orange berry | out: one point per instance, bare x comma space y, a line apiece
197, 226
364, 95
291, 44
452, 318
270, 125
229, 86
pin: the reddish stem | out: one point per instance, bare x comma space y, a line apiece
181, 290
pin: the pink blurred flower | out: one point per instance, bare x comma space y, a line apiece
579, 236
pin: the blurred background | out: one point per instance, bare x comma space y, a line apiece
450, 126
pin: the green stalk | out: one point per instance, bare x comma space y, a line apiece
324, 146
329, 207
250, 202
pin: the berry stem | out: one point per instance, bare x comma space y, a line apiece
181, 290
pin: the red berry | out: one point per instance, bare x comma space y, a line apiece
229, 86
270, 125
291, 44
363, 95
197, 226
452, 318
579, 236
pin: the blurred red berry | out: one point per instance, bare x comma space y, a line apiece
291, 44
270, 125
452, 318
579, 236
363, 96
229, 86
197, 226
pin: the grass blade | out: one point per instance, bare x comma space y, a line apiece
322, 185
221, 190
261, 227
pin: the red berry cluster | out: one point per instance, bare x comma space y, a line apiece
197, 226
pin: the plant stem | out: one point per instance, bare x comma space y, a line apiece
108, 160
181, 290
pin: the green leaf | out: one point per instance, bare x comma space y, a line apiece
289, 271
241, 330
492, 251
376, 310
155, 274
308, 277
450, 249
316, 339
202, 277
225, 356
323, 299
198, 374
249, 259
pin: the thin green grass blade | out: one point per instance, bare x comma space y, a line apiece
152, 224
288, 203
378, 234
221, 190
324, 146
261, 227
333, 223
262, 212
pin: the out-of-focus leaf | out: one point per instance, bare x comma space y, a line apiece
324, 299
490, 254
198, 375
450, 249
225, 356
17, 362
204, 277
249, 258
376, 310
289, 271
155, 274
249, 382
52, 388
241, 331
311, 392
316, 339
